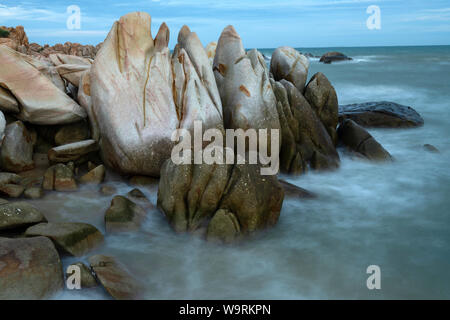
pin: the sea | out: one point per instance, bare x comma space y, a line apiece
395, 216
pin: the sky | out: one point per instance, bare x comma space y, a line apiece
260, 23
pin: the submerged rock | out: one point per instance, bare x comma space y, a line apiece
289, 64
73, 238
115, 278
381, 114
29, 269
123, 215
17, 148
19, 214
431, 148
292, 191
41, 102
359, 140
323, 99
34, 193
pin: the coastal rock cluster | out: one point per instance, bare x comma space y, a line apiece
72, 114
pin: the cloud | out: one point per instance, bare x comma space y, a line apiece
21, 13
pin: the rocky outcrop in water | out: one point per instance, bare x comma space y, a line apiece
190, 196
123, 215
323, 99
334, 56
381, 114
306, 142
357, 139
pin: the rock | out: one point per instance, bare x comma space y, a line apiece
123, 215
323, 99
190, 195
72, 72
211, 51
59, 59
115, 278
7, 102
34, 193
73, 238
431, 148
143, 181
19, 214
29, 269
11, 190
2, 127
140, 198
244, 86
86, 277
41, 102
71, 133
108, 190
84, 98
289, 64
381, 114
60, 178
72, 151
9, 178
334, 56
359, 140
17, 148
292, 191
224, 227
95, 176
137, 100
304, 137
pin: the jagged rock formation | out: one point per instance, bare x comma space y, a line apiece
140, 94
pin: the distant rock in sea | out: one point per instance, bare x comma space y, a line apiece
334, 56
381, 114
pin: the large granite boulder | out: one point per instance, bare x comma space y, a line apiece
17, 148
243, 81
140, 94
72, 238
41, 101
289, 64
30, 269
382, 114
306, 142
357, 139
190, 196
323, 99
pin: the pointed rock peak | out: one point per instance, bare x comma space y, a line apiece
184, 33
163, 37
